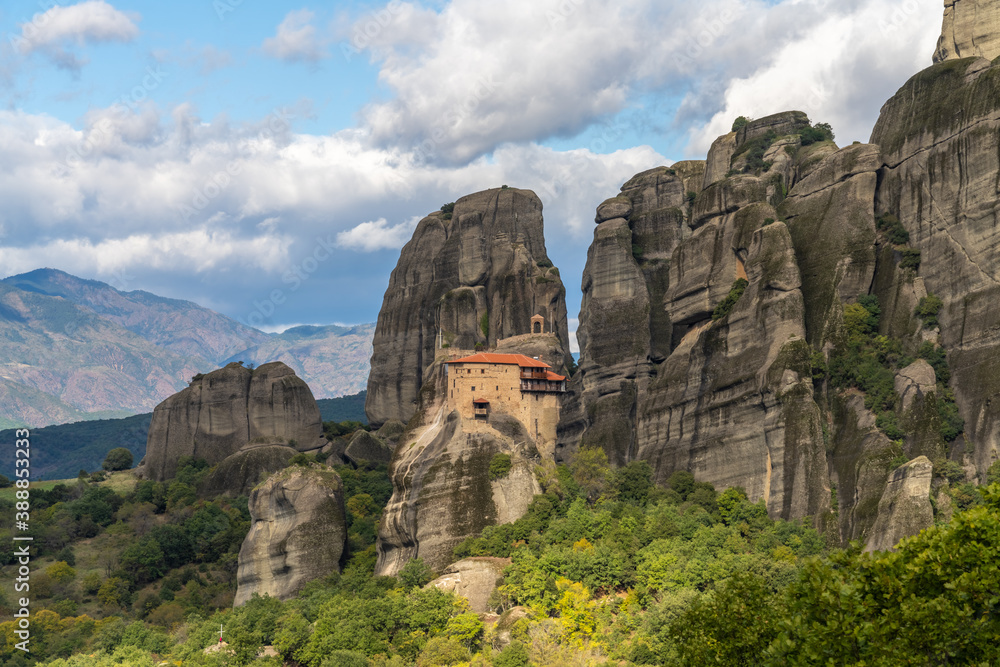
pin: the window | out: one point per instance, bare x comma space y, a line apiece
498, 387
482, 370
473, 389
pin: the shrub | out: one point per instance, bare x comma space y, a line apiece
949, 470
301, 459
727, 304
887, 422
484, 324
816, 133
911, 259
415, 573
740, 123
893, 229
448, 209
118, 458
515, 654
928, 310
499, 466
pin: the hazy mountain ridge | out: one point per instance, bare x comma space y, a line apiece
73, 349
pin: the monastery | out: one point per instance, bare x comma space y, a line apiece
522, 387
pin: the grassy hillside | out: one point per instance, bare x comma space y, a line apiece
343, 409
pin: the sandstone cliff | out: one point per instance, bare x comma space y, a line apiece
229, 411
971, 28
939, 136
474, 275
709, 316
443, 489
298, 532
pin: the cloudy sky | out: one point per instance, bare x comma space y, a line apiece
269, 159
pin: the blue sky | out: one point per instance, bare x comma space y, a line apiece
268, 160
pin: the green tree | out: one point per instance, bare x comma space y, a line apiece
590, 469
118, 458
415, 573
733, 625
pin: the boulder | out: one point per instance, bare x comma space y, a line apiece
229, 410
297, 533
367, 446
472, 578
616, 207
905, 508
915, 382
238, 474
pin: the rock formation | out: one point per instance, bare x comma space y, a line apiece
231, 410
472, 578
971, 28
939, 137
474, 275
298, 531
905, 508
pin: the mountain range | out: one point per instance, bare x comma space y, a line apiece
73, 349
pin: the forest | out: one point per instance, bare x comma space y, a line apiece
605, 568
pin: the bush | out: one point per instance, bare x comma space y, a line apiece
911, 259
893, 229
816, 133
415, 573
928, 310
448, 209
499, 466
514, 654
727, 304
484, 324
740, 123
118, 458
345, 659
949, 470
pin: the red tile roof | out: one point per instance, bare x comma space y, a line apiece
549, 375
480, 400
491, 358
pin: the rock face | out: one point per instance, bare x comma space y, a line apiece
939, 137
905, 508
971, 28
231, 410
443, 491
236, 475
670, 376
297, 534
472, 578
476, 276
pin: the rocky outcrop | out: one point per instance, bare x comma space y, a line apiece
474, 276
231, 410
472, 578
905, 508
941, 155
297, 534
971, 28
442, 488
238, 474
365, 446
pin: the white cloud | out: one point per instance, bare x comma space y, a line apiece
296, 39
377, 235
840, 70
197, 250
85, 22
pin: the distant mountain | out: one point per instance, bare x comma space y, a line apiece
183, 327
74, 349
332, 360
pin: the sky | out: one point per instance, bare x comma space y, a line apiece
269, 159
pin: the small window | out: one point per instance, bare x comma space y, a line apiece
482, 370
473, 389
498, 387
